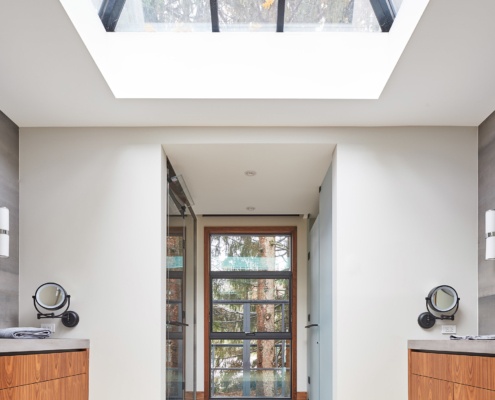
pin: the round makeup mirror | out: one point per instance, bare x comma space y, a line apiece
52, 296
441, 300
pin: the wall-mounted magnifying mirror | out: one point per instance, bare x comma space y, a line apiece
441, 300
52, 296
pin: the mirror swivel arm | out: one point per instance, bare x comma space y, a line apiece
443, 316
51, 315
69, 318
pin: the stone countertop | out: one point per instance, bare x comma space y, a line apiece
454, 346
41, 345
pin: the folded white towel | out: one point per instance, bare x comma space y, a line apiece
25, 333
482, 337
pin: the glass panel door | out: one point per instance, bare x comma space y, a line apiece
180, 293
175, 343
251, 315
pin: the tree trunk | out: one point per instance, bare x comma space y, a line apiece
265, 319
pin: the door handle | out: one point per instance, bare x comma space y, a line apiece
250, 333
310, 326
177, 323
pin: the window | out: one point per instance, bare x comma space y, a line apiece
247, 15
249, 297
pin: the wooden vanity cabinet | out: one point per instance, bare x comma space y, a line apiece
44, 376
448, 376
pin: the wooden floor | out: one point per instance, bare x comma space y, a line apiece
201, 396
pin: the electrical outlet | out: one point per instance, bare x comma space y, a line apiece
50, 327
449, 329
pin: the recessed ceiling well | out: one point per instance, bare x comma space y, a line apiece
287, 180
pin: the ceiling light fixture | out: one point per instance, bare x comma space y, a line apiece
250, 173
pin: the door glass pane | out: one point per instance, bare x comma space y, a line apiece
250, 253
250, 368
250, 305
174, 364
250, 289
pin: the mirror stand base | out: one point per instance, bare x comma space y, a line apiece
70, 319
426, 320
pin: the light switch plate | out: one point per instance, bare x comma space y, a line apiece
449, 329
50, 327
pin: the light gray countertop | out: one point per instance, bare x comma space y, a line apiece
38, 345
454, 346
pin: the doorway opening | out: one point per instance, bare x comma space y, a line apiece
250, 297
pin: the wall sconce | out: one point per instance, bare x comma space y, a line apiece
4, 232
490, 235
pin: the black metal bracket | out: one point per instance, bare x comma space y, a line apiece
69, 318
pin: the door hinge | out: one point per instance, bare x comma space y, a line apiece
309, 380
309, 317
309, 255
183, 385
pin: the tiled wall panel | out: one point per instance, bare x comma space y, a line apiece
9, 197
486, 201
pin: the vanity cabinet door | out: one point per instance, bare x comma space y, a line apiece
474, 371
464, 392
433, 365
70, 388
423, 388
48, 376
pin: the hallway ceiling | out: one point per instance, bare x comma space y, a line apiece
444, 77
286, 181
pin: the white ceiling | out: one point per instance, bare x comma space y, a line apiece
444, 77
286, 182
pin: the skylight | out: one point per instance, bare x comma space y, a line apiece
247, 15
239, 64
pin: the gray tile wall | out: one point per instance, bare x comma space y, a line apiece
9, 197
486, 201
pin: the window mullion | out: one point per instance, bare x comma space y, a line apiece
215, 25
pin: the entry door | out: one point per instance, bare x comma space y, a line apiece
314, 314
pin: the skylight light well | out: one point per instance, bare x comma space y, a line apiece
244, 65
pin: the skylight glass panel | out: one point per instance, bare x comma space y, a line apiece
330, 15
247, 15
165, 16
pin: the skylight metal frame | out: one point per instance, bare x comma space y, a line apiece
385, 13
109, 13
111, 10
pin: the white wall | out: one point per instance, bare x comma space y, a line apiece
405, 205
406, 221
91, 221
